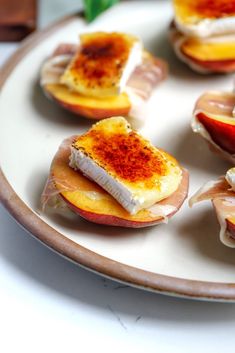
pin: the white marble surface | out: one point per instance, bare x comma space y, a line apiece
48, 304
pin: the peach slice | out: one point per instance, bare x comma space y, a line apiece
213, 119
216, 66
90, 107
221, 132
94, 204
213, 56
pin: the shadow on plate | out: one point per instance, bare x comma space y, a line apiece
50, 110
193, 151
203, 232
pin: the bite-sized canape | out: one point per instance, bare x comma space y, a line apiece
112, 175
106, 74
203, 34
214, 120
222, 194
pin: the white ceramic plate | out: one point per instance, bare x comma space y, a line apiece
183, 257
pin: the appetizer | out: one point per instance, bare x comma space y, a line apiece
221, 192
213, 119
112, 175
107, 74
203, 34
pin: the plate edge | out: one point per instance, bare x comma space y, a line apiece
139, 278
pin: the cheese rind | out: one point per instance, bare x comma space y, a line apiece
103, 64
127, 166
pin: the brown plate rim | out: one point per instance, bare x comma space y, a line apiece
80, 255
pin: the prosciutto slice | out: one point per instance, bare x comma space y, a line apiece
223, 200
147, 76
55, 65
216, 103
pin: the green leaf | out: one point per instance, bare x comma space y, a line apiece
95, 7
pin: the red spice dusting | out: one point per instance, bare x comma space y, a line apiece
127, 157
214, 8
101, 58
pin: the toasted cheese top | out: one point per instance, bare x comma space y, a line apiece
191, 11
103, 63
130, 158
205, 18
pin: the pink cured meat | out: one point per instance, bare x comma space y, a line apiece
223, 200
